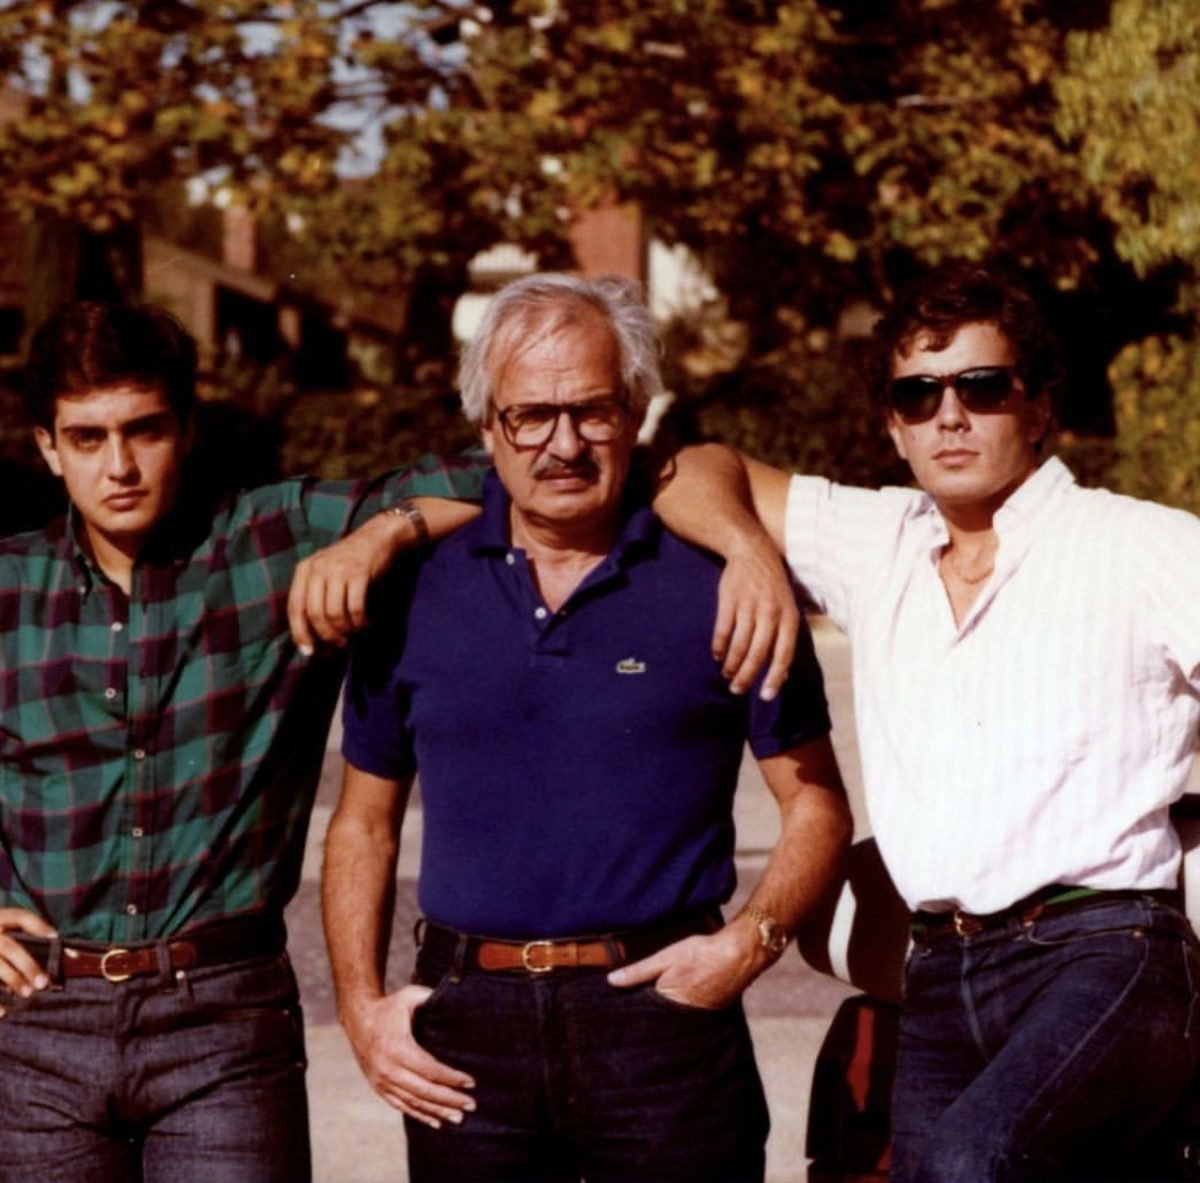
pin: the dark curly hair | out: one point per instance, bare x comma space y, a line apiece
952, 295
89, 345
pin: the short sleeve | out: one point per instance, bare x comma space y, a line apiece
376, 736
834, 534
799, 713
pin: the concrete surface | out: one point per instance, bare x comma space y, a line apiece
357, 1138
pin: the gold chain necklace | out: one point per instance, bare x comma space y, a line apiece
969, 580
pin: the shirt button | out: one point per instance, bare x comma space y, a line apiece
510, 558
131, 909
540, 613
110, 693
139, 754
117, 626
138, 832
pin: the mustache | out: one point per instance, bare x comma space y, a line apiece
585, 467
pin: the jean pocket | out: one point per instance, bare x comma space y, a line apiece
14, 1003
1132, 919
441, 986
655, 995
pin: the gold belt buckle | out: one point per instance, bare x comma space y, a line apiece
525, 951
966, 925
104, 970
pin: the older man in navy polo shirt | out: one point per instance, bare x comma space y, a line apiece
575, 1010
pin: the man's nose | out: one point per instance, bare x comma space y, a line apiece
951, 414
122, 463
566, 442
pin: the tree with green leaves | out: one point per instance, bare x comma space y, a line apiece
1128, 104
810, 153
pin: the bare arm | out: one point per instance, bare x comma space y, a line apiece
358, 895
712, 971
708, 495
328, 596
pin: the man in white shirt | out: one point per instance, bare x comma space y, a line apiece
1027, 691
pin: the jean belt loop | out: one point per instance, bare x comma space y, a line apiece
616, 950
460, 957
54, 956
166, 975
420, 928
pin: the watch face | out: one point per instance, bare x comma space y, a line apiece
773, 938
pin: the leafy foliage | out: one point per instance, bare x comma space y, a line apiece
810, 152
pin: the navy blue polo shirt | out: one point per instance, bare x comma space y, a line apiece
577, 767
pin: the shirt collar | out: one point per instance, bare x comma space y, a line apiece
1025, 505
1034, 495
640, 525
169, 544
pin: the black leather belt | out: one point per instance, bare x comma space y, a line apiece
221, 943
1056, 897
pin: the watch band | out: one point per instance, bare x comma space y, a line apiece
409, 509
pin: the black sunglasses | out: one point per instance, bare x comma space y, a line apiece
982, 390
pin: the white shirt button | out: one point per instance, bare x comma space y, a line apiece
510, 558
139, 754
117, 626
138, 832
540, 613
131, 909
110, 693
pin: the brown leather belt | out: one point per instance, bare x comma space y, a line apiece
539, 957
222, 943
606, 951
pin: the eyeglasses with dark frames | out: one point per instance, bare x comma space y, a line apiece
983, 390
531, 425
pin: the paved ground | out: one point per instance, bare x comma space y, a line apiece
358, 1139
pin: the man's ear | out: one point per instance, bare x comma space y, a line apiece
1037, 419
895, 430
489, 442
45, 443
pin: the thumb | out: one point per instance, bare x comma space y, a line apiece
297, 610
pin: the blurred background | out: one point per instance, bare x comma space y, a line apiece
325, 191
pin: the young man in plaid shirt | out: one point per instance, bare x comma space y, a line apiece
161, 738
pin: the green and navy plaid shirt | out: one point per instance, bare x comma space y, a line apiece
159, 753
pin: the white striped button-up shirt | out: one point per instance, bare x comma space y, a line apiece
1043, 739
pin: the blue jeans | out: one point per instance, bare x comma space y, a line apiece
174, 1078
1046, 1050
575, 1079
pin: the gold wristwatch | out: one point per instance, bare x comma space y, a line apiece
772, 936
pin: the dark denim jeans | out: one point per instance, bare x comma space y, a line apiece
1047, 1051
189, 1078
577, 1080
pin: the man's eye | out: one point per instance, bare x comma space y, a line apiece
531, 416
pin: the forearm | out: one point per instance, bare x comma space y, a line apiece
442, 517
807, 860
704, 496
358, 890
815, 831
391, 532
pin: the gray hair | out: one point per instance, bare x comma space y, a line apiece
531, 309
